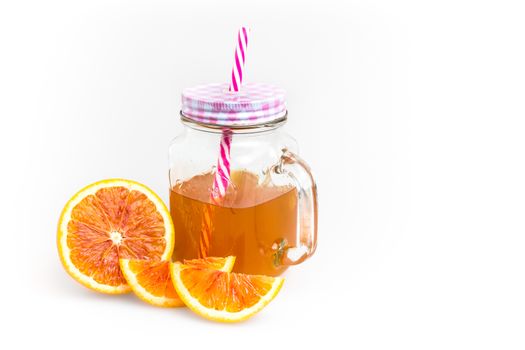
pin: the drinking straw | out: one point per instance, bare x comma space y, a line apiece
222, 173
220, 185
240, 57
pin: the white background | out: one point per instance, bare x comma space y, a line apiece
411, 114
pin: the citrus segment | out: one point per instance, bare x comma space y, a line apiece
108, 220
150, 279
220, 264
223, 296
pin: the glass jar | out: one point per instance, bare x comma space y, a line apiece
266, 215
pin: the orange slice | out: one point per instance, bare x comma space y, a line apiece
150, 280
223, 296
108, 220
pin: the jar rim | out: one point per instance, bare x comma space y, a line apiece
249, 128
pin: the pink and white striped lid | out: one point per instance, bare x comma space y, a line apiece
214, 104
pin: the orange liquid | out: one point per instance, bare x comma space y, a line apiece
251, 222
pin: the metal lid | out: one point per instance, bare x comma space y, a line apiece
214, 104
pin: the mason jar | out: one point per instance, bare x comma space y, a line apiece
237, 184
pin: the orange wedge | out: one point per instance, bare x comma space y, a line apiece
223, 296
150, 280
108, 220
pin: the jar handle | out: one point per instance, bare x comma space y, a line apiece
293, 253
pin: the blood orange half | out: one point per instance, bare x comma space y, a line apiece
108, 220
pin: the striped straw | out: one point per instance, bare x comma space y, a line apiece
240, 58
220, 185
222, 173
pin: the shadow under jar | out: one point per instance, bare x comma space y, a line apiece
267, 214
